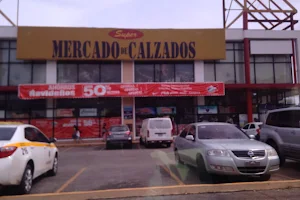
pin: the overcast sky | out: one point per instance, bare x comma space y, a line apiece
122, 13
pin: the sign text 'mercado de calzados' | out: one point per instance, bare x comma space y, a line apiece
135, 50
53, 43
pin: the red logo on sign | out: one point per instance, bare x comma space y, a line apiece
126, 34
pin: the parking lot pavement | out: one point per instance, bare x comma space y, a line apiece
290, 194
95, 168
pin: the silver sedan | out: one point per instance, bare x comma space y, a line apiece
223, 149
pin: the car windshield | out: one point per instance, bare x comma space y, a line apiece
6, 133
118, 128
160, 124
220, 132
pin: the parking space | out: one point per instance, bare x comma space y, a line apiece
95, 168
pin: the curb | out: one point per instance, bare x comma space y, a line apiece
163, 190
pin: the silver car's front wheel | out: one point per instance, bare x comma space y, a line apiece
177, 157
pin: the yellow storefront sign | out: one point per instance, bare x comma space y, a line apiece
53, 43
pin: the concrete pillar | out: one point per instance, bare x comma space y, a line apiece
199, 77
128, 103
51, 72
51, 78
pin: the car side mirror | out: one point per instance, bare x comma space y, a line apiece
252, 137
190, 137
52, 140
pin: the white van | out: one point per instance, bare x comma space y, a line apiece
156, 130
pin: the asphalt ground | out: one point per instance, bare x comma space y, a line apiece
288, 194
95, 168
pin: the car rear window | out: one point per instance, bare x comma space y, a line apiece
7, 133
118, 128
160, 124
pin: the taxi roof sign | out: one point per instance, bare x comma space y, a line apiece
10, 123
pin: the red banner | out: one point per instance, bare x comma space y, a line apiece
64, 128
92, 90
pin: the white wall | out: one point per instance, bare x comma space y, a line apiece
264, 47
8, 32
199, 71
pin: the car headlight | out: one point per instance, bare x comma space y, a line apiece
272, 152
218, 152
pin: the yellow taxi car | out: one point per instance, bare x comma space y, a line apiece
25, 154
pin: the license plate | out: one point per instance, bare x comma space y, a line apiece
118, 136
252, 163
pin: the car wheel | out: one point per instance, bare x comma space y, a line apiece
107, 146
177, 157
265, 177
26, 182
130, 145
281, 157
168, 145
202, 172
54, 169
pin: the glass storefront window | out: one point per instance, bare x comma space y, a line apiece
67, 73
19, 73
283, 73
229, 56
13, 56
184, 73
239, 56
3, 74
252, 73
264, 73
39, 73
263, 58
225, 73
240, 72
282, 58
4, 44
110, 73
144, 73
164, 73
89, 73
4, 55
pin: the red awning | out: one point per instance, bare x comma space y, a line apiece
94, 90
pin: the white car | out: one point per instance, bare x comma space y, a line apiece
252, 128
25, 154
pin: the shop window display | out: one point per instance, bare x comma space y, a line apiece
164, 72
110, 73
92, 116
67, 73
89, 73
19, 73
